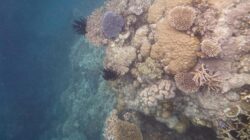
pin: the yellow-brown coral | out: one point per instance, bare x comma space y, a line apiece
160, 7
210, 48
185, 83
116, 129
182, 17
175, 50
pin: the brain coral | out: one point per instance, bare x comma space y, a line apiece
116, 129
182, 17
119, 58
112, 24
175, 50
150, 97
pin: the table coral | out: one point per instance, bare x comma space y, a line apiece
174, 49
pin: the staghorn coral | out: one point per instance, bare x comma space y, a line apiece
210, 48
182, 17
119, 59
116, 129
149, 45
185, 83
112, 24
148, 70
204, 77
175, 50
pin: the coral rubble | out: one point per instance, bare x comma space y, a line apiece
183, 63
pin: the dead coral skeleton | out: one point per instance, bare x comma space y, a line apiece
202, 77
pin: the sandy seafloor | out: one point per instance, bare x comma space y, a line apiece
50, 82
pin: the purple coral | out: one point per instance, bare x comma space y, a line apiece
112, 24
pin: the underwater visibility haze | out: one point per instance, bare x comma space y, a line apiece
125, 70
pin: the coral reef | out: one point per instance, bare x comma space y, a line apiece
185, 82
116, 129
175, 50
179, 63
148, 70
119, 59
112, 24
182, 17
210, 48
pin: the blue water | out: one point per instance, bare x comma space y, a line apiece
36, 41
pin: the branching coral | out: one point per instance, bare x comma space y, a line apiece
203, 76
116, 129
237, 128
182, 17
119, 59
184, 82
210, 48
112, 24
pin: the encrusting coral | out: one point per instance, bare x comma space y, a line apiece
175, 50
148, 70
182, 17
119, 59
116, 129
210, 48
175, 61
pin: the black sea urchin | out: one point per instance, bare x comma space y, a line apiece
109, 74
80, 26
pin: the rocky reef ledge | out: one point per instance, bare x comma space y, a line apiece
181, 68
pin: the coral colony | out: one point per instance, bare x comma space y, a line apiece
174, 63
